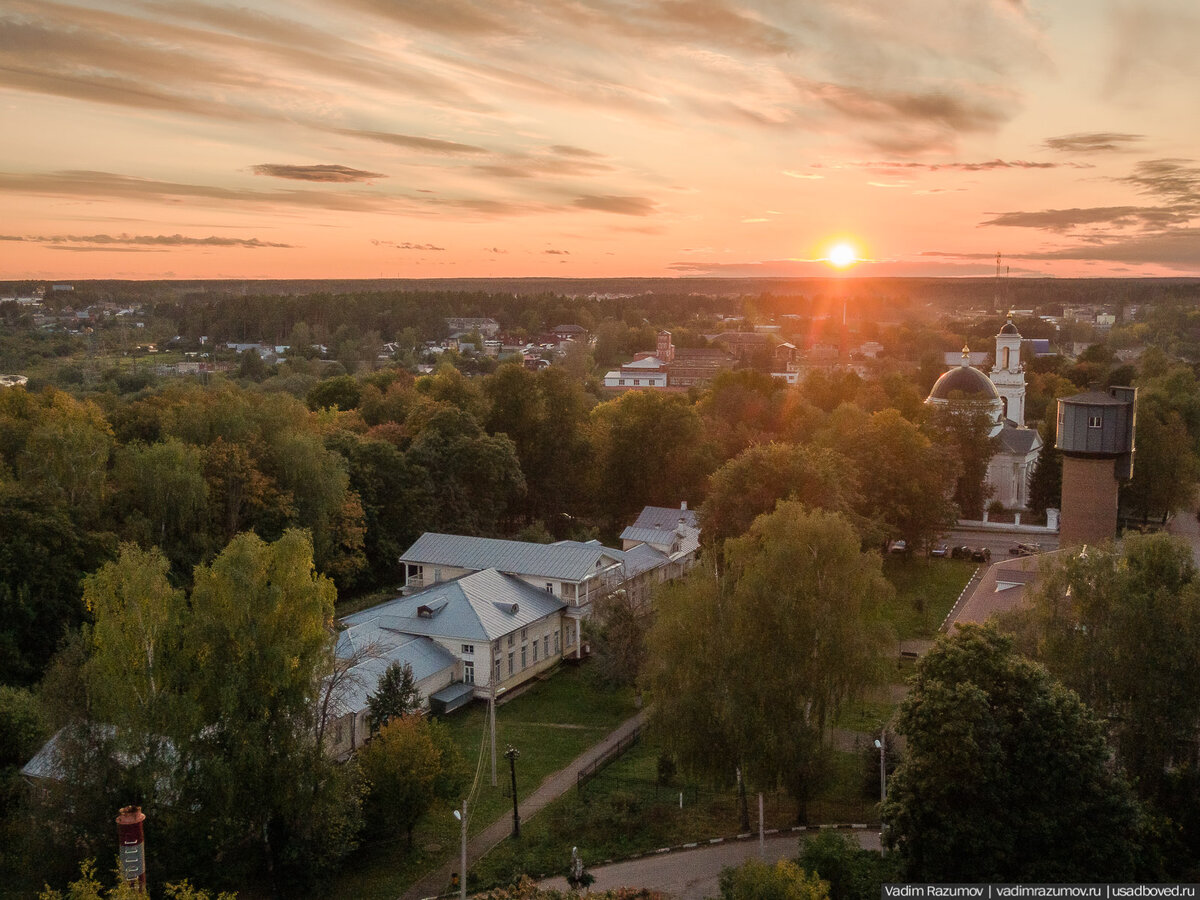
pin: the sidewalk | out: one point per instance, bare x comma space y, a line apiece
553, 787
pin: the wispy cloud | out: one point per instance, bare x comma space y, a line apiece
626, 206
406, 245
329, 174
1093, 142
145, 240
1061, 220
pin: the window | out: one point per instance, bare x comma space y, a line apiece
522, 657
1093, 421
620, 381
535, 648
337, 733
549, 587
637, 381
437, 575
546, 645
510, 639
468, 649
468, 673
523, 630
510, 662
497, 668
556, 642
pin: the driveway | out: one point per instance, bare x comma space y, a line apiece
693, 874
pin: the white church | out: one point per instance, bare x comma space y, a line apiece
1009, 471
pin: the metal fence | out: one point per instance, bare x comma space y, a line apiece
588, 772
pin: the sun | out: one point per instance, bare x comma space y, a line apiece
842, 255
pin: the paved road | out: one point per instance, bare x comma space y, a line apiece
998, 541
551, 788
693, 874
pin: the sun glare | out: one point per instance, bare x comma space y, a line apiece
842, 255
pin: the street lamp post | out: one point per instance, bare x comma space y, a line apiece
881, 743
511, 755
462, 878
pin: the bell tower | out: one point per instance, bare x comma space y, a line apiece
1008, 374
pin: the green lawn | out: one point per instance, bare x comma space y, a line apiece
623, 812
925, 592
550, 724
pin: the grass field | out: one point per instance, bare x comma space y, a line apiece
925, 592
550, 724
623, 811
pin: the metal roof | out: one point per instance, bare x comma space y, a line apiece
482, 606
666, 517
1019, 440
665, 536
643, 558
970, 381
564, 561
379, 648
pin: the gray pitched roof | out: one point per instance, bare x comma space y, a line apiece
379, 648
482, 606
566, 560
1019, 440
643, 558
665, 517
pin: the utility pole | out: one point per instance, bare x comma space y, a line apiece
511, 754
762, 839
463, 880
492, 717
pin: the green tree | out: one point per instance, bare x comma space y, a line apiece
905, 480
756, 880
161, 493
89, 887
852, 872
649, 449
798, 606
964, 426
44, 552
395, 696
1006, 776
1122, 628
1166, 468
1045, 484
339, 392
406, 767
618, 637
764, 474
475, 476
259, 619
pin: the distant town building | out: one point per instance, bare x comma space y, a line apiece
487, 327
669, 367
570, 332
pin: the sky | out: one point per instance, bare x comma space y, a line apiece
151, 139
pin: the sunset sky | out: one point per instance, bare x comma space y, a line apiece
454, 138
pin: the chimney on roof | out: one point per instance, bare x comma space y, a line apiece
683, 504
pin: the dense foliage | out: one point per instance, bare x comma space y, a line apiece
1006, 777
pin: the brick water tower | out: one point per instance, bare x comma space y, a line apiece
1096, 437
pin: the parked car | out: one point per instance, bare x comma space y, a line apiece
941, 551
898, 547
1025, 549
960, 553
981, 554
